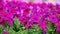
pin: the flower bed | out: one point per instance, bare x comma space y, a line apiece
29, 18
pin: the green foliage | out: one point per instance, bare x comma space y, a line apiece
6, 24
17, 22
35, 30
11, 31
51, 28
16, 25
17, 29
1, 29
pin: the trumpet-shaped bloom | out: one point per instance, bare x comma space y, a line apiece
23, 19
10, 21
43, 25
58, 26
29, 24
35, 18
53, 18
7, 15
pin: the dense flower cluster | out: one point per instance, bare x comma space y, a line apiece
30, 13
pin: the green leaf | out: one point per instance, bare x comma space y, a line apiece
6, 24
19, 32
17, 22
35, 31
11, 31
16, 25
22, 28
30, 31
24, 32
1, 29
51, 27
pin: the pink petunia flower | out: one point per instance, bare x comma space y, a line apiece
26, 12
7, 15
23, 19
5, 32
1, 19
35, 18
28, 25
43, 25
2, 8
10, 21
2, 23
23, 5
53, 18
58, 26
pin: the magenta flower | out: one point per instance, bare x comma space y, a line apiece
53, 18
57, 6
58, 11
11, 4
23, 19
50, 5
4, 16
5, 32
58, 26
30, 4
24, 9
26, 12
10, 21
2, 23
46, 14
0, 19
44, 6
7, 15
2, 8
23, 5
28, 25
35, 18
18, 14
1, 1
43, 25
35, 8
12, 11
12, 7
40, 5
8, 4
